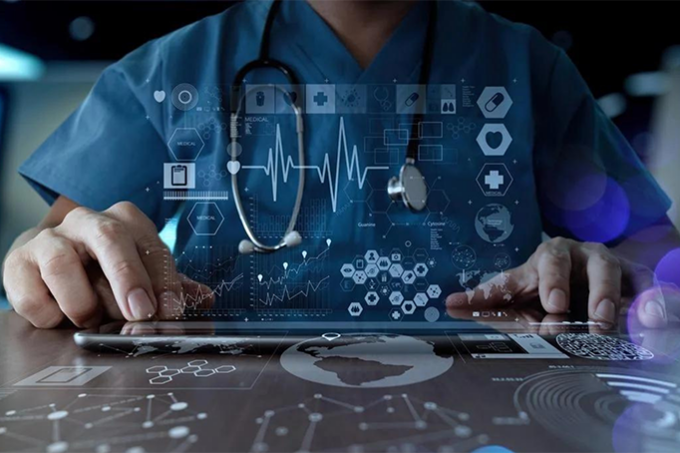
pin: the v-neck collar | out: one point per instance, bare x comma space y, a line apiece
315, 42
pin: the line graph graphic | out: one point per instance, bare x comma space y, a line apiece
286, 296
217, 267
291, 282
195, 299
278, 165
312, 264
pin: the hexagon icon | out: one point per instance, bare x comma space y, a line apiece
396, 298
494, 102
372, 298
372, 271
396, 255
347, 270
397, 285
205, 218
359, 277
170, 372
421, 299
408, 277
420, 255
434, 291
186, 144
190, 369
372, 284
355, 309
371, 256
408, 307
494, 180
359, 263
160, 380
347, 284
156, 369
420, 285
408, 262
420, 269
396, 270
198, 363
494, 140
225, 369
395, 314
204, 373
383, 263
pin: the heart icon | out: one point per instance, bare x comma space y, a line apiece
233, 166
291, 98
159, 96
494, 139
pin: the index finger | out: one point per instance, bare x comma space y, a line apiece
155, 256
109, 242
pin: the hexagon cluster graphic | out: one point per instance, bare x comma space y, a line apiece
197, 368
386, 279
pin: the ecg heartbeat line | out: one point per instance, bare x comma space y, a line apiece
276, 159
286, 295
194, 300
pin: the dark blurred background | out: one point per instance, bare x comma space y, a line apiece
51, 52
607, 39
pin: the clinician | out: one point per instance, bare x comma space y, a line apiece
97, 253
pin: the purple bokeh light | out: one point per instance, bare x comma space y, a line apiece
664, 342
605, 220
626, 433
668, 269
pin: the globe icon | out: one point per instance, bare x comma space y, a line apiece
361, 360
494, 223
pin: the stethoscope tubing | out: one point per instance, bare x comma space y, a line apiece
237, 99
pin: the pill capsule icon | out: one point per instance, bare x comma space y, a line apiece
493, 103
411, 99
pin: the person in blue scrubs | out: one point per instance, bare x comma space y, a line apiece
565, 172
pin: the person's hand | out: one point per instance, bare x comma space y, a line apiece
97, 265
559, 268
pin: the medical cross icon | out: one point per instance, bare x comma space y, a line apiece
494, 180
320, 98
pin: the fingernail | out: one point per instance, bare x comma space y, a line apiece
456, 300
606, 311
140, 304
558, 301
654, 308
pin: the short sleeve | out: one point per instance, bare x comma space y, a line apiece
109, 150
591, 184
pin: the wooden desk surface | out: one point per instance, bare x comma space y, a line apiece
55, 397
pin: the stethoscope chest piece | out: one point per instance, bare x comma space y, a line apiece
409, 188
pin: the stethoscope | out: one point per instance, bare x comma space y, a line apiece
408, 187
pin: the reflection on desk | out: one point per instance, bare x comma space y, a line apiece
587, 392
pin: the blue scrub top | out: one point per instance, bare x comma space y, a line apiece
565, 170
